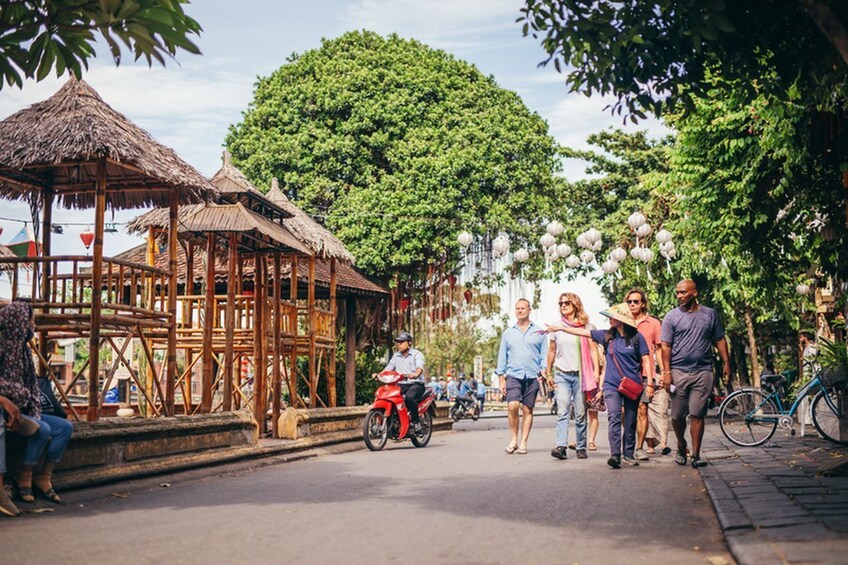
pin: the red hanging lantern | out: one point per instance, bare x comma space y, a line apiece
87, 236
1, 230
404, 304
467, 294
452, 281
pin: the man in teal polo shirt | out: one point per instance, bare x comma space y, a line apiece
523, 347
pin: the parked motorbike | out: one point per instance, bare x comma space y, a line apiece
467, 407
389, 418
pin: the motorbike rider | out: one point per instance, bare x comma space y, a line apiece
409, 362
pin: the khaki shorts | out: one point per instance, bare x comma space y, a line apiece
692, 393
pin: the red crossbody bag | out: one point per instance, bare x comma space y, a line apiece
627, 387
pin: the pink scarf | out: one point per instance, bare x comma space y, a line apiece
587, 368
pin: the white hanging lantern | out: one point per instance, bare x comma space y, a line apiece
609, 266
465, 239
802, 289
593, 235
554, 228
587, 256
618, 254
500, 246
636, 253
667, 246
521, 255
581, 240
547, 240
551, 253
663, 236
597, 245
573, 261
671, 253
647, 255
563, 250
644, 230
635, 220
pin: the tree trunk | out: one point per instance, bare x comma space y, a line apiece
752, 345
829, 24
738, 363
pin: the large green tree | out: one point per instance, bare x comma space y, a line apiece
398, 147
37, 36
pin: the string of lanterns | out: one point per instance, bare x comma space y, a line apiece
589, 243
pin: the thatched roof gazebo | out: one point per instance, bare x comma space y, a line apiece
75, 149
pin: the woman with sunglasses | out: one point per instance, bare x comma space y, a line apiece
627, 357
573, 370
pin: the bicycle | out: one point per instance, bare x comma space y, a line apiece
750, 416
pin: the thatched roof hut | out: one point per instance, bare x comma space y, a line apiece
58, 143
232, 186
231, 182
318, 238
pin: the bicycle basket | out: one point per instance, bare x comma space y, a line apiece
832, 377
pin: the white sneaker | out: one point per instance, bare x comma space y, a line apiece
641, 455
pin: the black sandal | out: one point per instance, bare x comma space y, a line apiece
680, 458
49, 494
23, 493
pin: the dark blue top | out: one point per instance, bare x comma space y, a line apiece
691, 336
629, 357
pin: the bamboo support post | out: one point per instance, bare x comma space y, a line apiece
208, 325
96, 294
331, 362
229, 322
310, 305
171, 376
277, 385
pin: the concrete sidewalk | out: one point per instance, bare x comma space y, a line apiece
776, 503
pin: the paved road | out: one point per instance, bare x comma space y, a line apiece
460, 500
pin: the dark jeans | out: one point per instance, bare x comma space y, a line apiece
411, 397
614, 401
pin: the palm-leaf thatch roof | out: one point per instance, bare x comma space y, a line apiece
232, 186
349, 281
59, 141
318, 238
259, 233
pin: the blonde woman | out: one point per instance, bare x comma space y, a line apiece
573, 369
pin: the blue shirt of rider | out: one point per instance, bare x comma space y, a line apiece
408, 363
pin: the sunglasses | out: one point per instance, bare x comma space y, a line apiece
565, 303
634, 301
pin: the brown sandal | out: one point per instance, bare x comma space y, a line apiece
49, 494
592, 447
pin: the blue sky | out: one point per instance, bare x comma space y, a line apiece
190, 104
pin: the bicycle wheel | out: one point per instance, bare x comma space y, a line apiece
748, 417
831, 418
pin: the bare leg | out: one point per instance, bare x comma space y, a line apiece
641, 424
526, 425
593, 425
512, 418
696, 430
680, 431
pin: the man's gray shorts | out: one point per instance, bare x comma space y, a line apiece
692, 393
522, 390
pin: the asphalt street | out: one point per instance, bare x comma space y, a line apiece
459, 500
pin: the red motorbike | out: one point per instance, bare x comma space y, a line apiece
388, 416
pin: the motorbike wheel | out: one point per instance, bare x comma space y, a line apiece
375, 430
422, 439
455, 414
475, 414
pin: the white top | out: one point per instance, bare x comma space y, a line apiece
567, 346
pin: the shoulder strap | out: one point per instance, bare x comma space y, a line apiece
615, 360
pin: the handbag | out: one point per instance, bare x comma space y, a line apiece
49, 404
627, 387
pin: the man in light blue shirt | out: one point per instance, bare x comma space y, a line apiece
523, 347
409, 362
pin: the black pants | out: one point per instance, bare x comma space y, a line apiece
411, 397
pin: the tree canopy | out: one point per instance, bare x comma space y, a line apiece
37, 36
398, 147
654, 54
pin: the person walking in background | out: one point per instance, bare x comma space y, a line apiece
520, 358
573, 370
481, 393
627, 357
689, 333
809, 351
652, 417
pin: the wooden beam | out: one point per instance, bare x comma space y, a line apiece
310, 306
259, 373
331, 361
277, 388
229, 321
96, 293
293, 396
350, 351
208, 325
171, 378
